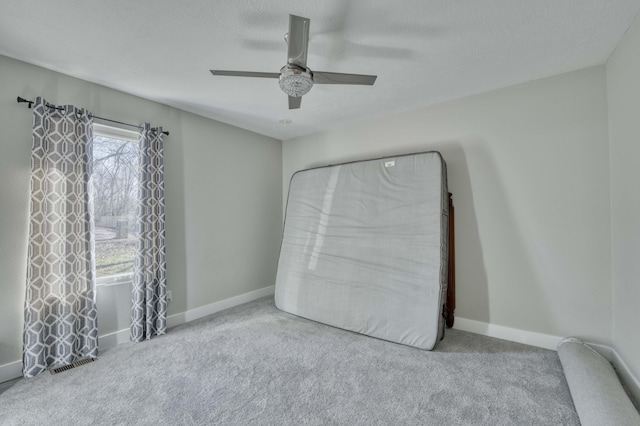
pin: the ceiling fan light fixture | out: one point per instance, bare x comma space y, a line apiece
295, 78
295, 82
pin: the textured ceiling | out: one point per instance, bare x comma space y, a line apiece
423, 51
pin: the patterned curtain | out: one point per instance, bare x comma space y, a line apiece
60, 313
149, 311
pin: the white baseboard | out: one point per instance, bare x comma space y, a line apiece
630, 381
10, 371
13, 370
606, 351
546, 341
203, 311
110, 340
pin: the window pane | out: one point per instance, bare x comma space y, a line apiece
115, 190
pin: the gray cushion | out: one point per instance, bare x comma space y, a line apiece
595, 388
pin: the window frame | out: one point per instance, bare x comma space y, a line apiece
110, 131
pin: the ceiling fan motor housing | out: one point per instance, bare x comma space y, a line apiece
295, 81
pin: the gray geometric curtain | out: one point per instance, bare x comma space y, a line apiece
149, 311
60, 323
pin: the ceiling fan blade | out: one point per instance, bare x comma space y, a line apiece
298, 40
294, 103
321, 77
246, 74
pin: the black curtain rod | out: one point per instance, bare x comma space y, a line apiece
22, 100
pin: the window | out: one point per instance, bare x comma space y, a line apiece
115, 195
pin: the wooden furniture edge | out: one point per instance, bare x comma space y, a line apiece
450, 304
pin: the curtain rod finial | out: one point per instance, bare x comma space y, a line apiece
23, 100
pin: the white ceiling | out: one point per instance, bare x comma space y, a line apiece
423, 51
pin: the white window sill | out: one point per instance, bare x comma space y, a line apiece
118, 279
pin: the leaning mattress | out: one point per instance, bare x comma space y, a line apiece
365, 247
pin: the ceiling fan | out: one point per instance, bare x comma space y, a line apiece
296, 79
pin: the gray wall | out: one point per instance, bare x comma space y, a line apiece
223, 199
623, 84
528, 166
